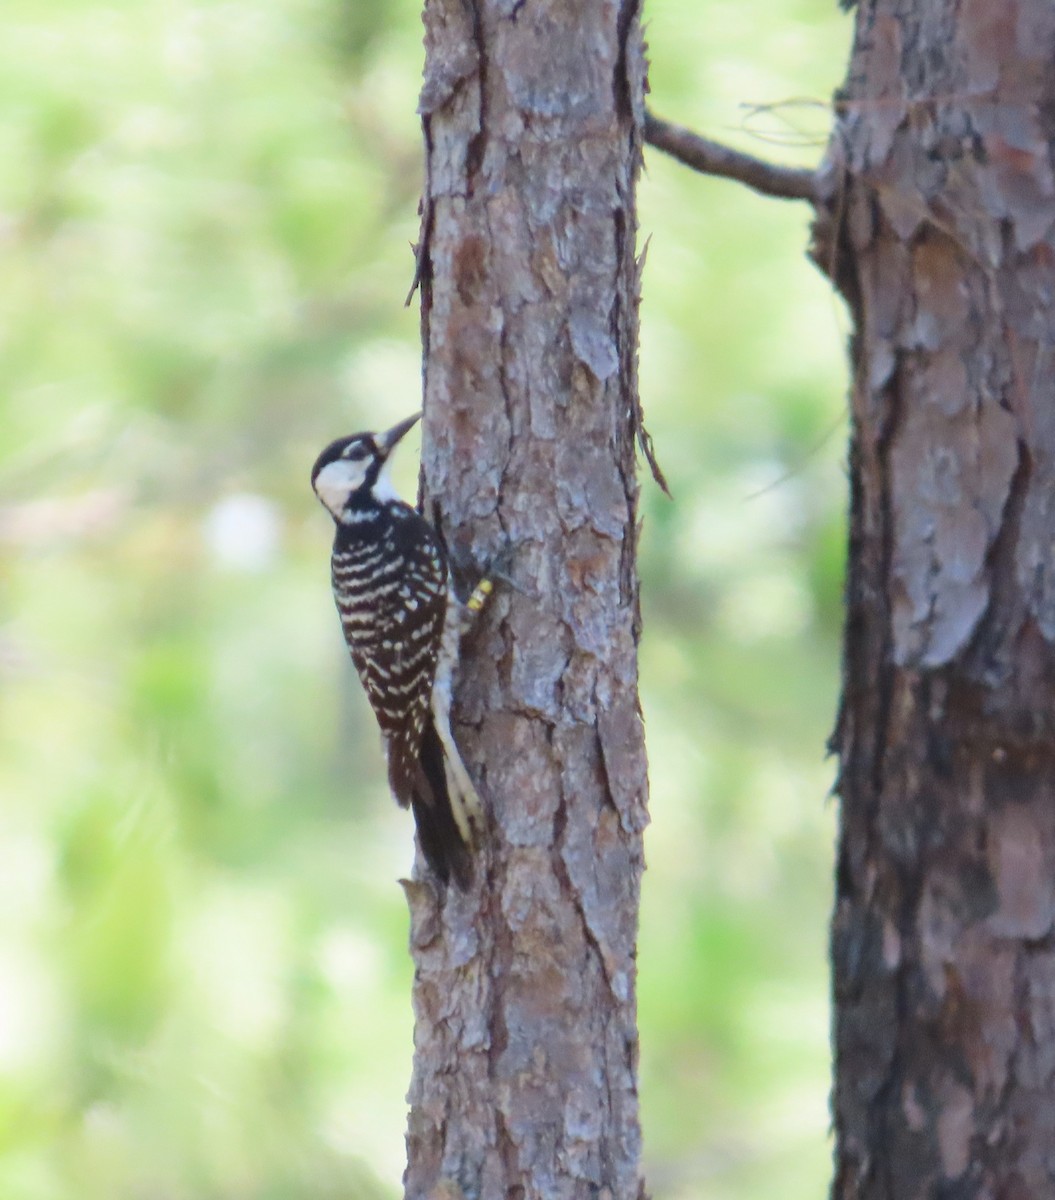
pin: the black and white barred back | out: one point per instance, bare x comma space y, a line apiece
390, 584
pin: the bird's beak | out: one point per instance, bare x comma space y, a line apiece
386, 441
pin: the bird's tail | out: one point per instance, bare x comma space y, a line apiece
443, 812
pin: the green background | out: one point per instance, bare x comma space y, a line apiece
205, 211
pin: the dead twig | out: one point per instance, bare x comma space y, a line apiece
712, 158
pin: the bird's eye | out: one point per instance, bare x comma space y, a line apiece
357, 452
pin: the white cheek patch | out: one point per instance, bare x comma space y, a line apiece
385, 489
337, 480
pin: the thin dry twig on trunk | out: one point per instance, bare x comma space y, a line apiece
712, 158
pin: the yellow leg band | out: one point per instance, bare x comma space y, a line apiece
479, 597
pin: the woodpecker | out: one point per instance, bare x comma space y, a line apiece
403, 625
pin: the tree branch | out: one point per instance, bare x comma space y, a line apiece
711, 158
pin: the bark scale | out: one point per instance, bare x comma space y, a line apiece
937, 225
525, 1069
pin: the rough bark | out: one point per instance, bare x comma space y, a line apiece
939, 222
526, 1044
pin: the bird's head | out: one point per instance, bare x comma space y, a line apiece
355, 468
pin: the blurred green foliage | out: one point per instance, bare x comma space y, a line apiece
205, 211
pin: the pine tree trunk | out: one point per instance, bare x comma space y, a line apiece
525, 1069
939, 232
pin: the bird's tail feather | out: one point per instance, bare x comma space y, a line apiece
439, 811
